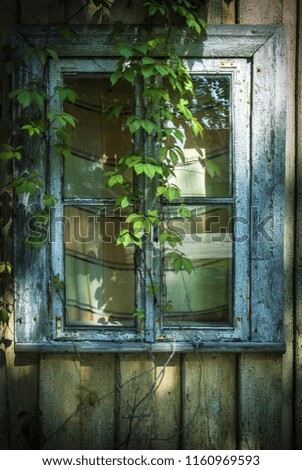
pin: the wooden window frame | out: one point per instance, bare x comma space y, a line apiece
255, 57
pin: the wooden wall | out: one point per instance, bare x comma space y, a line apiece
191, 401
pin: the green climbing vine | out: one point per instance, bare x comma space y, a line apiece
153, 66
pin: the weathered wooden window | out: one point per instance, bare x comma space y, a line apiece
233, 299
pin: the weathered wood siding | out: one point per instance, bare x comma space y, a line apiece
163, 401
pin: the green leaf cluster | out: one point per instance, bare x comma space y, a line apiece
10, 152
27, 184
180, 262
42, 53
66, 92
166, 92
5, 267
33, 128
34, 94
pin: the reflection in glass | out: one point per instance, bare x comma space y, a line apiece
97, 141
204, 296
207, 170
99, 276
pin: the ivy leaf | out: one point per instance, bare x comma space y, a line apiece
125, 202
147, 70
134, 124
129, 75
139, 168
149, 170
148, 125
160, 190
173, 156
177, 264
163, 153
92, 398
63, 135
148, 60
115, 179
63, 118
69, 119
138, 225
126, 51
24, 98
68, 33
27, 184
53, 54
33, 128
162, 70
179, 135
153, 216
49, 200
133, 217
168, 307
142, 47
71, 95
187, 265
5, 267
114, 110
115, 76
38, 98
41, 55
196, 127
58, 283
4, 316
132, 160
212, 168
172, 192
163, 237
185, 213
64, 150
8, 155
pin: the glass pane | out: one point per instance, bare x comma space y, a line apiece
97, 141
204, 296
207, 171
99, 275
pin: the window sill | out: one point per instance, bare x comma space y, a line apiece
134, 347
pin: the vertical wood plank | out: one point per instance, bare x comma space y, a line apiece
290, 22
166, 418
215, 12
60, 401
298, 260
9, 16
22, 386
260, 401
4, 431
257, 12
229, 11
209, 401
98, 398
135, 382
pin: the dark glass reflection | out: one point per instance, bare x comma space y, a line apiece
97, 141
99, 276
207, 171
205, 295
